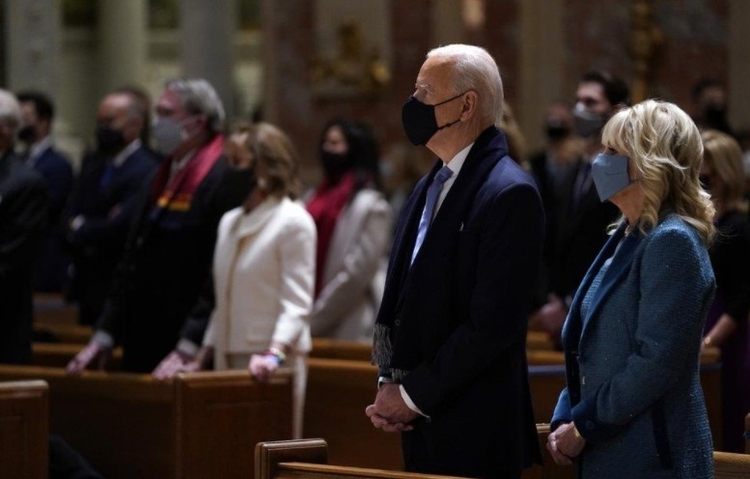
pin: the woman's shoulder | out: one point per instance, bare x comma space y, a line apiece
370, 199
293, 212
675, 234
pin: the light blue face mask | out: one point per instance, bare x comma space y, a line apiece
610, 173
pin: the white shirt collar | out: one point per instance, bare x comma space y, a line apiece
37, 149
120, 158
458, 161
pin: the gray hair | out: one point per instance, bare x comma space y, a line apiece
475, 69
10, 110
199, 97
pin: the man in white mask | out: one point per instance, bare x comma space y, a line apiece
162, 289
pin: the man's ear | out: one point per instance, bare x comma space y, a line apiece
469, 105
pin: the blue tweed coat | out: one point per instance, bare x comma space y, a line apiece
632, 362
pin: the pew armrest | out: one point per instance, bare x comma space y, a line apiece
269, 454
731, 466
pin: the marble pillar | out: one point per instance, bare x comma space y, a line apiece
207, 33
32, 45
121, 43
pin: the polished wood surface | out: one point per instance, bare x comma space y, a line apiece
306, 459
196, 426
24, 426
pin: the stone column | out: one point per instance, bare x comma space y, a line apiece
542, 65
739, 64
121, 43
32, 44
208, 29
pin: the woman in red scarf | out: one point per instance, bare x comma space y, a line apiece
353, 221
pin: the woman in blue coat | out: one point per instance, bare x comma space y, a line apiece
633, 405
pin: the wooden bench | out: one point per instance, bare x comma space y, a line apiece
199, 425
59, 332
52, 308
339, 390
57, 355
24, 426
307, 458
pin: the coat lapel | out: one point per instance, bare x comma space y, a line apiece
618, 268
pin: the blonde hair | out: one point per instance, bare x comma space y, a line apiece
723, 155
273, 148
665, 147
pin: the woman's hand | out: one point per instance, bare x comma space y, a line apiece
263, 365
565, 444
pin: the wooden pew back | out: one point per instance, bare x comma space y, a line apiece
307, 458
199, 425
338, 391
24, 426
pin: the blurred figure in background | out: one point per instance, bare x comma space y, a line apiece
727, 323
105, 200
23, 220
580, 218
514, 137
353, 222
264, 269
710, 105
166, 267
38, 113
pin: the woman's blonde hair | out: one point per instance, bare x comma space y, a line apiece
665, 147
272, 147
723, 155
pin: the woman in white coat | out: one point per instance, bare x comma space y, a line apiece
264, 271
353, 221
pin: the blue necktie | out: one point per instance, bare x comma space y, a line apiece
106, 178
433, 193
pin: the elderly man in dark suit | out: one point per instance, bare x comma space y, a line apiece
23, 218
38, 112
106, 198
166, 266
450, 338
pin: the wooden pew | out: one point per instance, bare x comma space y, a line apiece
339, 390
52, 308
307, 458
24, 426
358, 351
57, 355
59, 332
199, 425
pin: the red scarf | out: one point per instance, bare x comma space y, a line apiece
325, 207
177, 195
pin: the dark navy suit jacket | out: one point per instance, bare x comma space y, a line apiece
53, 263
108, 203
456, 320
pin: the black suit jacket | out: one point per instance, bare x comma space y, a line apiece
165, 268
23, 219
456, 320
53, 264
108, 208
579, 235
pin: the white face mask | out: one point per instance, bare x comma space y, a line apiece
168, 134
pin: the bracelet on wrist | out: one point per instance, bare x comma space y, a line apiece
277, 353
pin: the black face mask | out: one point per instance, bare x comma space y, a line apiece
419, 121
108, 140
715, 116
555, 130
335, 164
26, 134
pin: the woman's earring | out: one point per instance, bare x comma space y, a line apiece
262, 183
